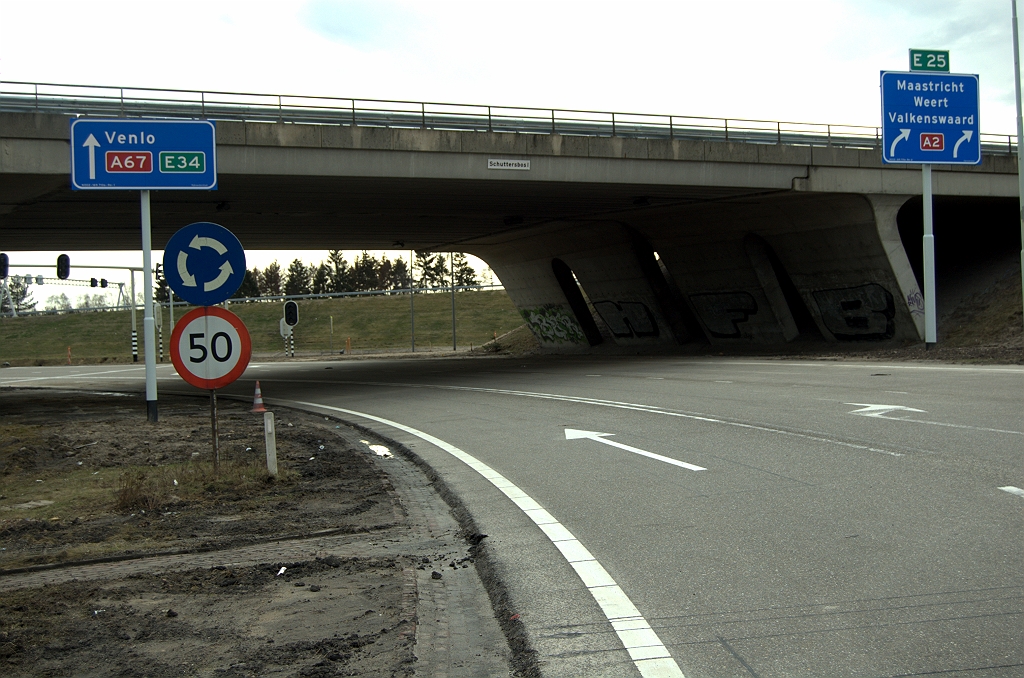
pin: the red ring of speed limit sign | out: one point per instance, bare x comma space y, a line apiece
210, 357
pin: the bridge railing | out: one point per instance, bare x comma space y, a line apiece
95, 100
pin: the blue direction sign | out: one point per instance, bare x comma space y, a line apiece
143, 154
204, 263
930, 118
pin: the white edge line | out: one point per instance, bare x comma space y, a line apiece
649, 654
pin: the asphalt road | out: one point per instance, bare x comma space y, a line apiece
848, 521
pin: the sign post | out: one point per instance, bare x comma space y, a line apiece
144, 155
210, 348
930, 118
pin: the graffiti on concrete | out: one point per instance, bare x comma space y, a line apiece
627, 318
915, 301
863, 313
722, 312
551, 323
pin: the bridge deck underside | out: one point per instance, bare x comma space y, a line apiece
274, 212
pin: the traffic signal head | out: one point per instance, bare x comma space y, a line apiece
5, 264
63, 266
159, 274
103, 282
291, 313
93, 282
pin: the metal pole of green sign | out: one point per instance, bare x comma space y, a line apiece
148, 322
1020, 136
929, 258
451, 259
412, 302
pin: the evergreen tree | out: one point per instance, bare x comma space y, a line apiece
384, 270
250, 286
298, 280
431, 268
464, 273
399, 278
364, 273
270, 281
338, 271
321, 279
20, 293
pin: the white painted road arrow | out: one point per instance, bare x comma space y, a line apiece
574, 434
880, 411
904, 134
92, 144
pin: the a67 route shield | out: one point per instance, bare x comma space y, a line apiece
210, 347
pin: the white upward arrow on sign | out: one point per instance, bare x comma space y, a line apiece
574, 434
92, 144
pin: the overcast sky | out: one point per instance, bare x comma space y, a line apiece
790, 60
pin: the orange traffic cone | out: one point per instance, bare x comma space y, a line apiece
257, 403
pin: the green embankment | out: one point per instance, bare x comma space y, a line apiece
372, 323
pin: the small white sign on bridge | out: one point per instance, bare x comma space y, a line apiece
506, 164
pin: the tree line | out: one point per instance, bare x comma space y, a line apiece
365, 273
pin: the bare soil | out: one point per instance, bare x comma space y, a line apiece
83, 479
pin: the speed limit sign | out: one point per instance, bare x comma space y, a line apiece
210, 347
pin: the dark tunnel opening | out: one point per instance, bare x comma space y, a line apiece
977, 241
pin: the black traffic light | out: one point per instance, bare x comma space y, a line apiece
63, 266
93, 282
291, 313
103, 282
5, 264
159, 275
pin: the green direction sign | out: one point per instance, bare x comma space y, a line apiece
182, 161
929, 60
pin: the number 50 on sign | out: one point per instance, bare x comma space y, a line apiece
210, 347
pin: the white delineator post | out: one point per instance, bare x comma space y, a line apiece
929, 258
135, 331
1020, 135
270, 437
148, 322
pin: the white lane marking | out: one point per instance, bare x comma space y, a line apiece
1013, 490
78, 375
879, 412
574, 434
652, 409
722, 381
649, 654
936, 368
896, 392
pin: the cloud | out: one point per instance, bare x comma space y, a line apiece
360, 23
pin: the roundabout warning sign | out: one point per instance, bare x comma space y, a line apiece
210, 347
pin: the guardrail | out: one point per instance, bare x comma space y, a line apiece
97, 100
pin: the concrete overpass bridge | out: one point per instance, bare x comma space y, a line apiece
625, 228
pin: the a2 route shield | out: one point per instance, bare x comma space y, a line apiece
210, 347
204, 263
